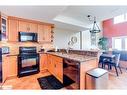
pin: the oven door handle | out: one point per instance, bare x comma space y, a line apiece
20, 57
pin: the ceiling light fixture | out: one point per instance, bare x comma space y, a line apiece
95, 28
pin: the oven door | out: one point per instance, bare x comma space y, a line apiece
28, 63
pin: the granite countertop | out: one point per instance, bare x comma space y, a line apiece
74, 57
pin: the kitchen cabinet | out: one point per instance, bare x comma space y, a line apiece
3, 27
55, 66
47, 32
9, 66
41, 34
25, 26
44, 33
4, 68
50, 64
43, 62
12, 30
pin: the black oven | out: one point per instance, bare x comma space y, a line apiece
28, 61
27, 36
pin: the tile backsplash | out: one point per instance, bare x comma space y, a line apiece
14, 47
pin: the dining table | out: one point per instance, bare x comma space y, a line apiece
105, 58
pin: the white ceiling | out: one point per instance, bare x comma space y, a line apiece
66, 17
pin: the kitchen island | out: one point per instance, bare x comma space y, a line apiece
83, 63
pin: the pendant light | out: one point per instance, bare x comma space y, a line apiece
95, 28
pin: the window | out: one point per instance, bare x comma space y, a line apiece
125, 43
119, 19
118, 43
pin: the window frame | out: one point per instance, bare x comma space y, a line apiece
122, 43
124, 18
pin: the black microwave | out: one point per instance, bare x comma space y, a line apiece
27, 37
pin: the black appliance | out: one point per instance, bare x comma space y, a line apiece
27, 36
28, 61
0, 65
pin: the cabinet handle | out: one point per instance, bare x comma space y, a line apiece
43, 38
28, 28
55, 65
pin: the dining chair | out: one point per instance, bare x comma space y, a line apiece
101, 62
115, 63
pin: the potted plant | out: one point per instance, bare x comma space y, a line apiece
103, 43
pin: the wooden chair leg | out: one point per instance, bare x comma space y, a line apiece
116, 70
120, 69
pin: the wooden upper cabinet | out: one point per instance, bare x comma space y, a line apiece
25, 26
44, 33
41, 34
47, 30
12, 30
33, 27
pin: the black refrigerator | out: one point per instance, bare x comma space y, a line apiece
0, 65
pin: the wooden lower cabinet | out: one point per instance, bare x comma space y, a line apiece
9, 66
55, 66
4, 68
84, 67
59, 71
43, 62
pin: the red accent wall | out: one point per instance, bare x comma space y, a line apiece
114, 30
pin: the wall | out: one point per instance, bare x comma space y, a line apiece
86, 41
114, 30
86, 38
76, 46
62, 37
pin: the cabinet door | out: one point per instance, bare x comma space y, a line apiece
41, 34
27, 26
23, 26
33, 27
13, 30
59, 71
57, 65
43, 62
12, 63
47, 31
4, 68
51, 64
